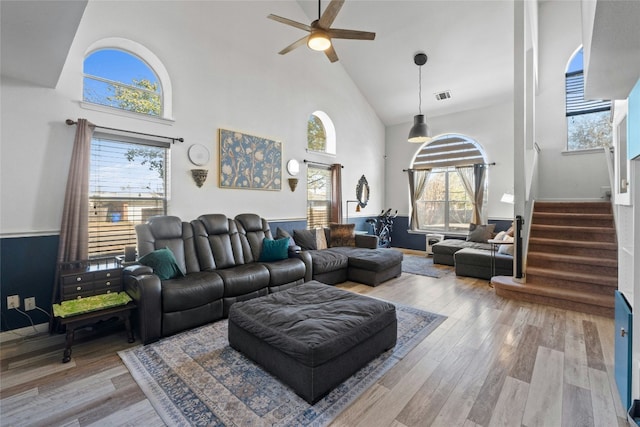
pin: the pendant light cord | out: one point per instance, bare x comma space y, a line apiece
420, 89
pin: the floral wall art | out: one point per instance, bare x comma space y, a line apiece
250, 162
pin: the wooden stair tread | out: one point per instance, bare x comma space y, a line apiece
575, 259
572, 215
558, 293
576, 243
579, 228
572, 276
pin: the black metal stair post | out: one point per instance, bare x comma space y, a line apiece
518, 242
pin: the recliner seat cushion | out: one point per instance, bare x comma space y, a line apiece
285, 271
244, 279
194, 290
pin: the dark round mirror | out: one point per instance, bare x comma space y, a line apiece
362, 192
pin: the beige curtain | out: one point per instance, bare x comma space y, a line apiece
417, 184
336, 193
479, 175
74, 233
473, 181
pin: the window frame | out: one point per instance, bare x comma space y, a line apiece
457, 158
151, 60
577, 107
123, 85
311, 221
447, 202
112, 203
330, 133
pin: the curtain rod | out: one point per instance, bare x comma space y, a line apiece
318, 163
468, 166
173, 140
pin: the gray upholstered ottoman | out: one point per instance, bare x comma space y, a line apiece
477, 263
373, 266
312, 336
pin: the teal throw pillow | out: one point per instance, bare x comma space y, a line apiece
274, 250
163, 262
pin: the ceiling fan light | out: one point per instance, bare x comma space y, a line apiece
419, 133
319, 40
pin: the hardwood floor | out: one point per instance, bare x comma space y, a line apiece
493, 362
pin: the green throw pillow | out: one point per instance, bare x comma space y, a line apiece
163, 262
274, 250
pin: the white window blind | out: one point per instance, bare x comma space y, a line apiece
575, 102
127, 185
318, 197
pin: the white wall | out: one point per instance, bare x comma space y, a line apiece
491, 127
562, 176
226, 73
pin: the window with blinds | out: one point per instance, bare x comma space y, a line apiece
443, 204
588, 120
318, 197
127, 185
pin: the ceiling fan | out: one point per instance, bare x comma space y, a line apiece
321, 33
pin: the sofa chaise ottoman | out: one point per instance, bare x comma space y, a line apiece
313, 336
477, 263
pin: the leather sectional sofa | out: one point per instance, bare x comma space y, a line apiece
363, 262
219, 259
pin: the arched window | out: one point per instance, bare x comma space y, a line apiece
448, 183
321, 134
120, 80
588, 123
123, 74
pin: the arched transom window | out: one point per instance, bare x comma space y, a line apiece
122, 74
321, 134
448, 182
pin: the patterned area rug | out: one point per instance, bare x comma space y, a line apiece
423, 266
195, 378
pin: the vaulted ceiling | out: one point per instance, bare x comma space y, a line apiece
469, 44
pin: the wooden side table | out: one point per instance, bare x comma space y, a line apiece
495, 244
101, 312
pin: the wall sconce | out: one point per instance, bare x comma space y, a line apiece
199, 176
293, 183
357, 208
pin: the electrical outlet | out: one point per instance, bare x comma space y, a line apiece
29, 303
13, 301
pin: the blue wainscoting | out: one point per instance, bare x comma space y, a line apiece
27, 269
289, 226
402, 238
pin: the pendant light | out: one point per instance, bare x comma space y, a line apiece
419, 133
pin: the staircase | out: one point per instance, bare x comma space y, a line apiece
572, 261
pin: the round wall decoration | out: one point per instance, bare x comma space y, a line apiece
198, 154
293, 167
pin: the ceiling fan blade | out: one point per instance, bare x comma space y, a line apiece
331, 54
330, 13
289, 22
336, 33
294, 45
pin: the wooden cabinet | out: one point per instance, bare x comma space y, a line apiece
85, 278
82, 279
